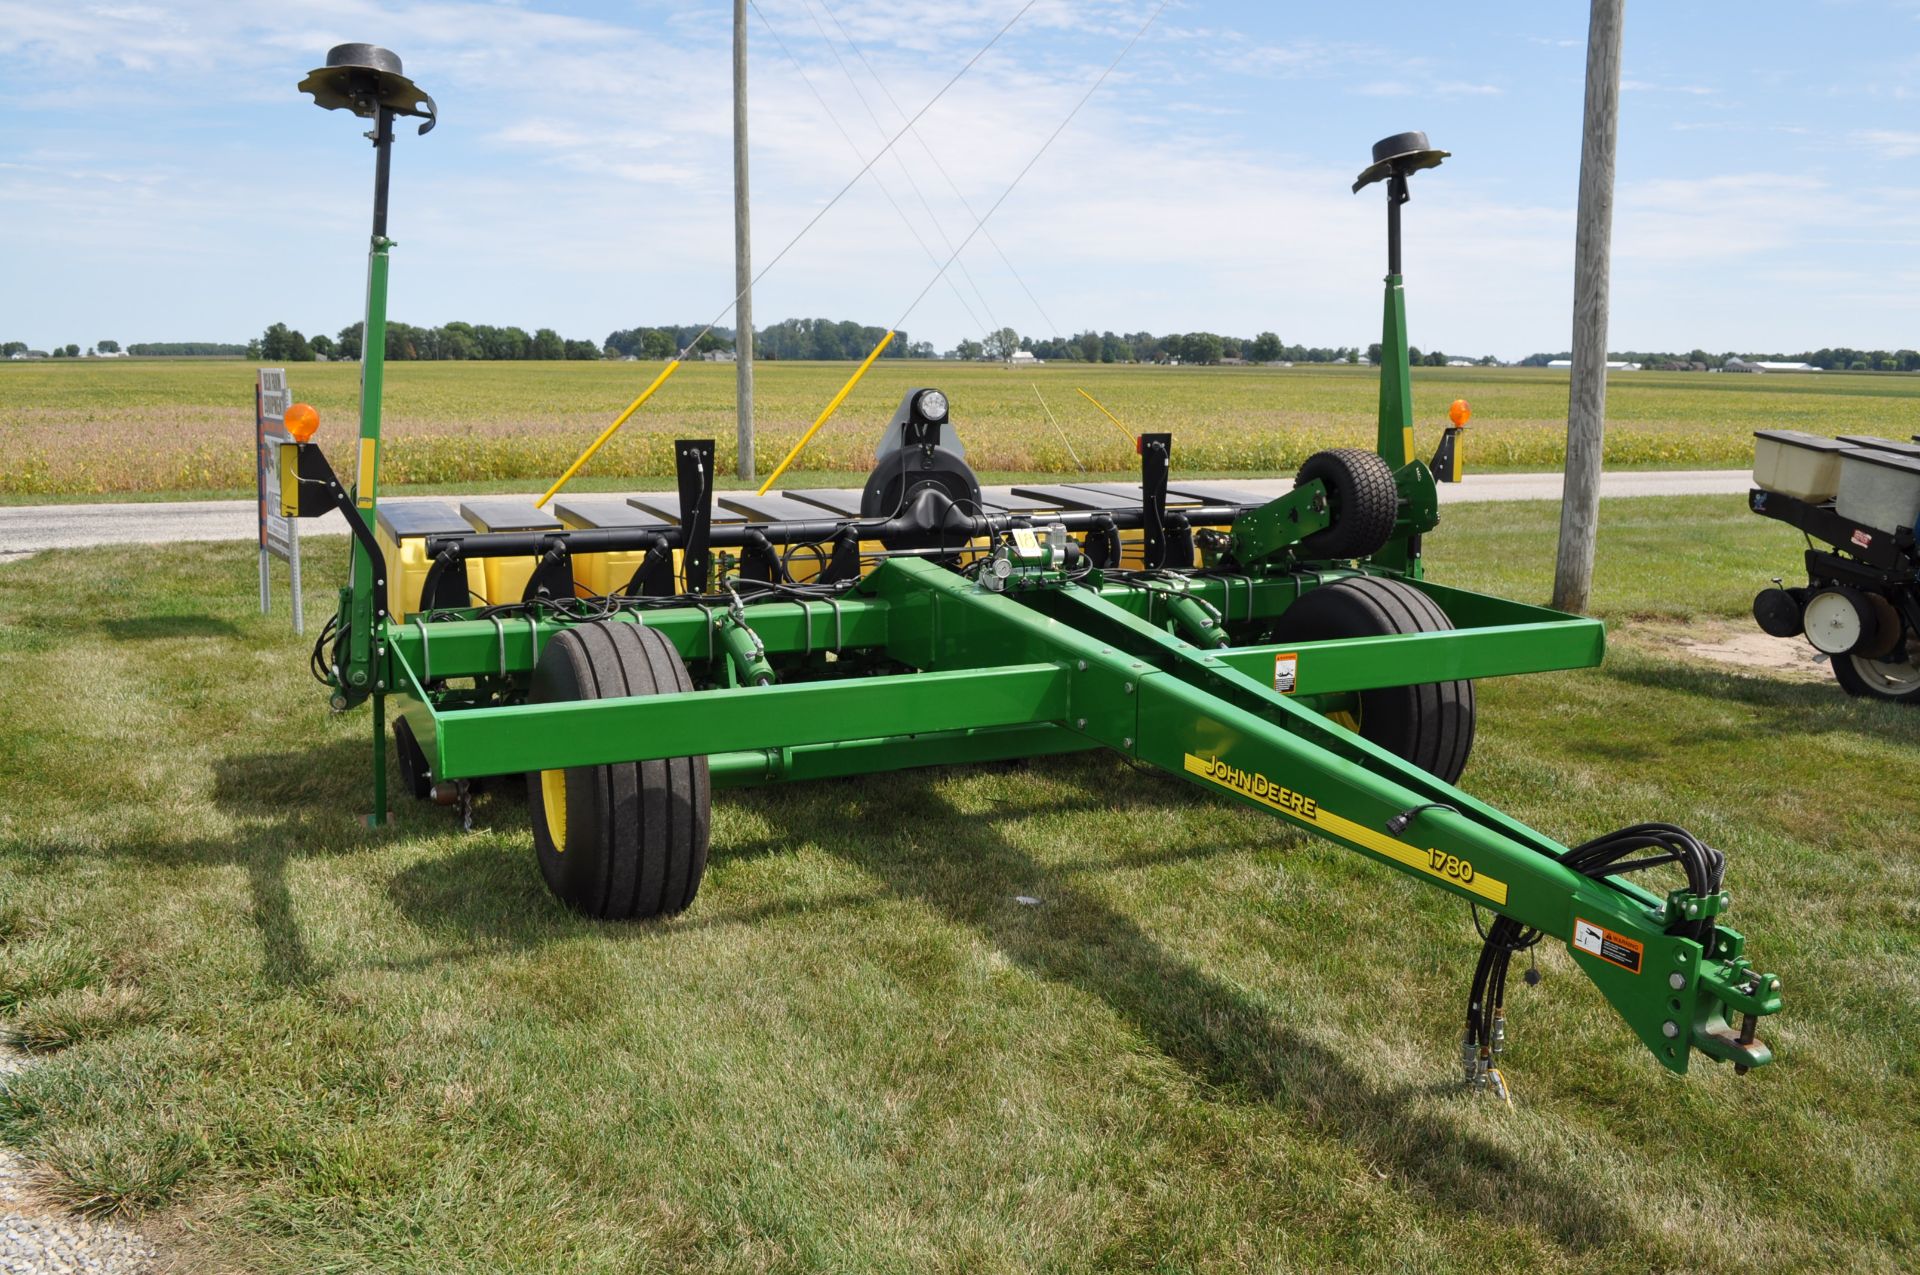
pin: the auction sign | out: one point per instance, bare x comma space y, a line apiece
279, 536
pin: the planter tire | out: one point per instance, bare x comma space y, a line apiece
1361, 497
623, 840
413, 761
1895, 679
1431, 724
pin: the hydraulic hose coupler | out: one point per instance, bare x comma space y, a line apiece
745, 651
1499, 1042
1468, 1056
1197, 620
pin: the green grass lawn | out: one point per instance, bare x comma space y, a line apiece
280, 1041
111, 428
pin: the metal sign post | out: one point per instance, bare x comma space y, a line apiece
279, 536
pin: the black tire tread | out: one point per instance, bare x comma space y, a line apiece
413, 761
1854, 683
620, 787
1364, 501
1429, 724
643, 842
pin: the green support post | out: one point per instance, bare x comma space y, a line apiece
380, 814
1394, 160
1396, 384
369, 82
367, 633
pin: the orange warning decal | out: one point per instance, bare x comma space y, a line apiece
1616, 949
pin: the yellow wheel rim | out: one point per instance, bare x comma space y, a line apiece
553, 798
1347, 718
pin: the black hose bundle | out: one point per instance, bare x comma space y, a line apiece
322, 660
1487, 1002
1612, 855
1608, 857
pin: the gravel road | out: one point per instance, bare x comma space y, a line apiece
42, 1241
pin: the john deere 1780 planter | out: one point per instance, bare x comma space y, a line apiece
630, 657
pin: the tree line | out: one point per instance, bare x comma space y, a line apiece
186, 349
811, 339
405, 343
71, 350
844, 339
820, 339
1839, 358
1145, 347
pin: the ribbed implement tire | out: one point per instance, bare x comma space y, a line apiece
1360, 496
414, 775
1431, 724
630, 840
1893, 680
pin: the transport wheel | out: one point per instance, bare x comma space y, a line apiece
626, 840
1362, 499
1430, 725
1895, 677
413, 761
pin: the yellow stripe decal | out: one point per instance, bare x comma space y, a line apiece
364, 478
1406, 444
1452, 869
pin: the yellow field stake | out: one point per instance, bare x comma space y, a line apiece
608, 432
1131, 440
820, 420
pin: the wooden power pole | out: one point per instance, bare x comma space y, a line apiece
1593, 242
742, 249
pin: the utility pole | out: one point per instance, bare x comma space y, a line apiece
742, 249
1593, 243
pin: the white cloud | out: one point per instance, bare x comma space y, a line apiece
1631, 85
1890, 145
1444, 88
581, 179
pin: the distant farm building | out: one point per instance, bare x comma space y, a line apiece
1761, 365
1612, 365
1024, 358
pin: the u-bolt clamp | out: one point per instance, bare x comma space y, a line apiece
426, 655
500, 632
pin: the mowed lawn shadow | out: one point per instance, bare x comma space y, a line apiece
967, 869
917, 844
147, 627
1786, 707
293, 805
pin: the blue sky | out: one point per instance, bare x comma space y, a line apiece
161, 180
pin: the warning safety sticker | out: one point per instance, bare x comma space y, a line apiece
1597, 940
1284, 669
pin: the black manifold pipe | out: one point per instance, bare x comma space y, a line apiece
529, 544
